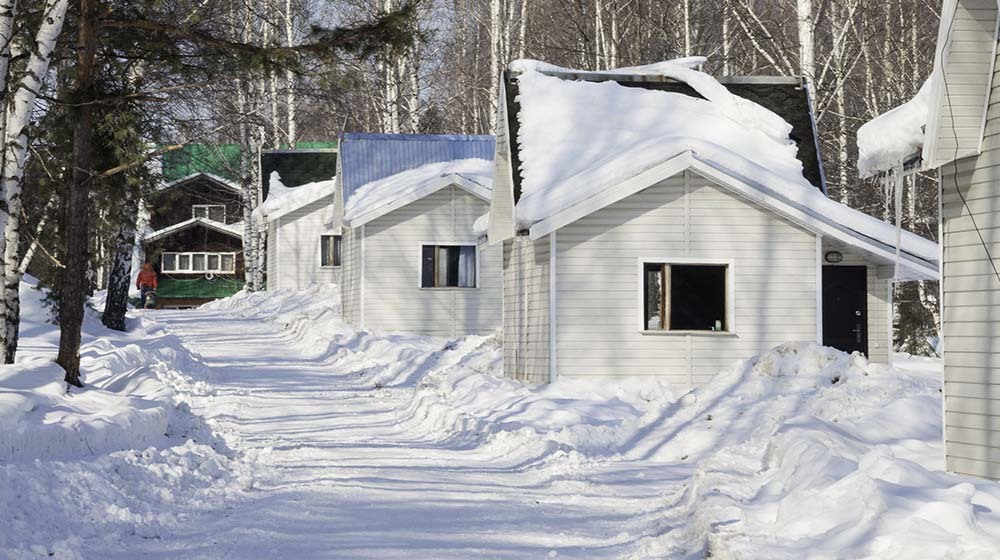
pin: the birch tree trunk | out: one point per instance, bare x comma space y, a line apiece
727, 69
120, 275
494, 62
290, 101
15, 147
74, 275
8, 9
522, 31
807, 41
687, 27
246, 183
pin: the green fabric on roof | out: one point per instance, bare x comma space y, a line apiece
199, 287
222, 160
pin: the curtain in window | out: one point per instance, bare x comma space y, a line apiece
467, 266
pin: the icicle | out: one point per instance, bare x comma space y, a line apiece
898, 200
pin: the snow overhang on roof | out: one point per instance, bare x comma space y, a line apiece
894, 139
210, 176
380, 197
282, 200
232, 230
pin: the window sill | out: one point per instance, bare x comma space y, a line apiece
448, 289
723, 334
330, 267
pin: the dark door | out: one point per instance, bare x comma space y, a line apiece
845, 308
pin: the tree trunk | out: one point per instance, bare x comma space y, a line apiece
494, 62
807, 42
71, 303
7, 10
290, 79
15, 146
120, 275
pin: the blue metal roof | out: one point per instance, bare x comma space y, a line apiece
368, 157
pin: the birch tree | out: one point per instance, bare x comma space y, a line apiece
15, 142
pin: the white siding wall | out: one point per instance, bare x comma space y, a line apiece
393, 298
272, 256
598, 306
526, 309
971, 49
971, 310
350, 285
296, 262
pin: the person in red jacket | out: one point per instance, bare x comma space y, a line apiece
146, 282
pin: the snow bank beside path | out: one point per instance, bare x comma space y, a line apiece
123, 456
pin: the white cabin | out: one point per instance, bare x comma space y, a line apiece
672, 231
303, 235
411, 261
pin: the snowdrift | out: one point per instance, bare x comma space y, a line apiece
122, 456
802, 452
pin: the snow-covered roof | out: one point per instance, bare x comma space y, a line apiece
367, 157
234, 230
220, 180
895, 136
281, 199
584, 143
664, 68
380, 197
579, 138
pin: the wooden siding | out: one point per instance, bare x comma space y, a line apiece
394, 299
686, 216
971, 311
297, 247
526, 309
879, 311
961, 105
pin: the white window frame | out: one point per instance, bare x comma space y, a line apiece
190, 268
420, 263
208, 212
319, 251
730, 295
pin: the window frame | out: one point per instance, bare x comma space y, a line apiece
731, 327
420, 263
208, 213
319, 251
190, 259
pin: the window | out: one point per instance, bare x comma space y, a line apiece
685, 297
214, 212
448, 266
198, 263
329, 250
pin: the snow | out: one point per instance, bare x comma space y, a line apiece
568, 156
482, 225
310, 439
887, 140
379, 194
282, 200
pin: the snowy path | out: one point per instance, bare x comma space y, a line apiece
347, 479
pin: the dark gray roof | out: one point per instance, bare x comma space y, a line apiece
298, 167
